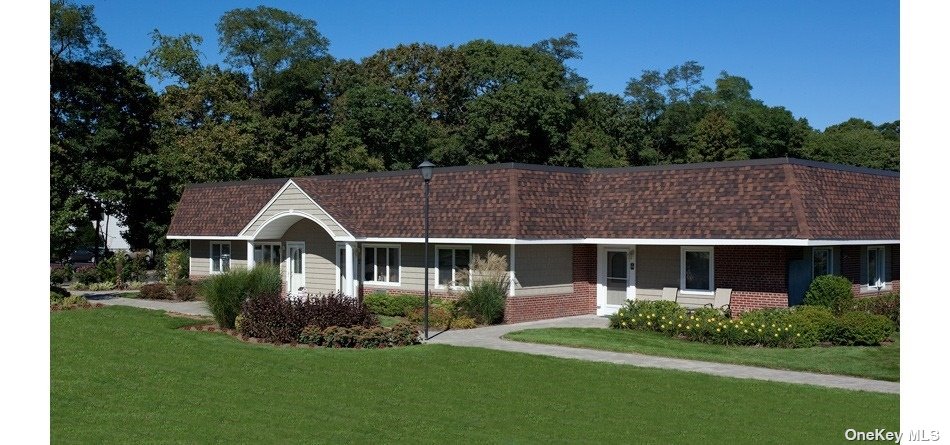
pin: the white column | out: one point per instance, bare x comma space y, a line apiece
349, 287
250, 254
511, 272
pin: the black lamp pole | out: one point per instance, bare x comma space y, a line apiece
426, 169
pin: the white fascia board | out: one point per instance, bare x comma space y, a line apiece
203, 237
637, 241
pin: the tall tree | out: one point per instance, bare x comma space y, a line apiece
266, 40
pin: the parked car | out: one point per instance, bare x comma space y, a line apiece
87, 255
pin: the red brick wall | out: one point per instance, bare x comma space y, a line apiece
582, 301
757, 275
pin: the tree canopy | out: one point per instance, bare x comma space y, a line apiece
280, 105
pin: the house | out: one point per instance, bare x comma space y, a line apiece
578, 241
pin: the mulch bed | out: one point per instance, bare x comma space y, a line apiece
235, 334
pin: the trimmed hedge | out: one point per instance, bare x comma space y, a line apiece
831, 291
795, 327
281, 320
155, 291
862, 329
381, 303
401, 334
888, 305
186, 292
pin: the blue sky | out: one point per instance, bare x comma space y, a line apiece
826, 61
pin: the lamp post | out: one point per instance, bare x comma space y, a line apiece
426, 169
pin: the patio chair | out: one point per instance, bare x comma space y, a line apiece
721, 300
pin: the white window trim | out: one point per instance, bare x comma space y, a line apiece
435, 268
280, 258
712, 270
211, 257
398, 248
831, 260
884, 285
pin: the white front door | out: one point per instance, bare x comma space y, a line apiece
296, 275
616, 278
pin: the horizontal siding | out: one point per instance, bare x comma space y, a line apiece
412, 269
320, 256
294, 199
543, 270
200, 256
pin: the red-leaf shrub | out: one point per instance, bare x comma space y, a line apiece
281, 320
155, 291
401, 334
186, 292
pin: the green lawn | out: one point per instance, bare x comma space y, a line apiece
128, 375
879, 362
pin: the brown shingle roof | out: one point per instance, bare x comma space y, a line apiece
761, 199
221, 209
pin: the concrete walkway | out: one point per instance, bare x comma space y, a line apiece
489, 337
111, 298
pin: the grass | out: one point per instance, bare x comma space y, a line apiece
874, 362
128, 375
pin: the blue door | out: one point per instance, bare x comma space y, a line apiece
799, 278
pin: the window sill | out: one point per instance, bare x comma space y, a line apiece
382, 283
697, 292
887, 287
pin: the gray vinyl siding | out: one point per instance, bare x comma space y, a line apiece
200, 256
659, 267
411, 273
544, 270
294, 199
320, 256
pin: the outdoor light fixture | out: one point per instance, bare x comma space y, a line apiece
426, 168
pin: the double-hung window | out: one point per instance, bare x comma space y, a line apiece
381, 264
875, 263
453, 267
696, 269
267, 253
220, 257
821, 260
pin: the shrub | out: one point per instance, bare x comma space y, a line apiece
176, 265
71, 302
186, 292
438, 316
831, 291
277, 319
105, 285
887, 305
86, 275
485, 301
134, 285
135, 267
80, 286
649, 315
381, 303
816, 323
106, 268
402, 334
58, 293
226, 292
155, 291
60, 275
860, 328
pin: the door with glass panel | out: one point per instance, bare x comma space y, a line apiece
618, 273
296, 278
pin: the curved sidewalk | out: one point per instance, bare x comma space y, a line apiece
490, 337
199, 308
